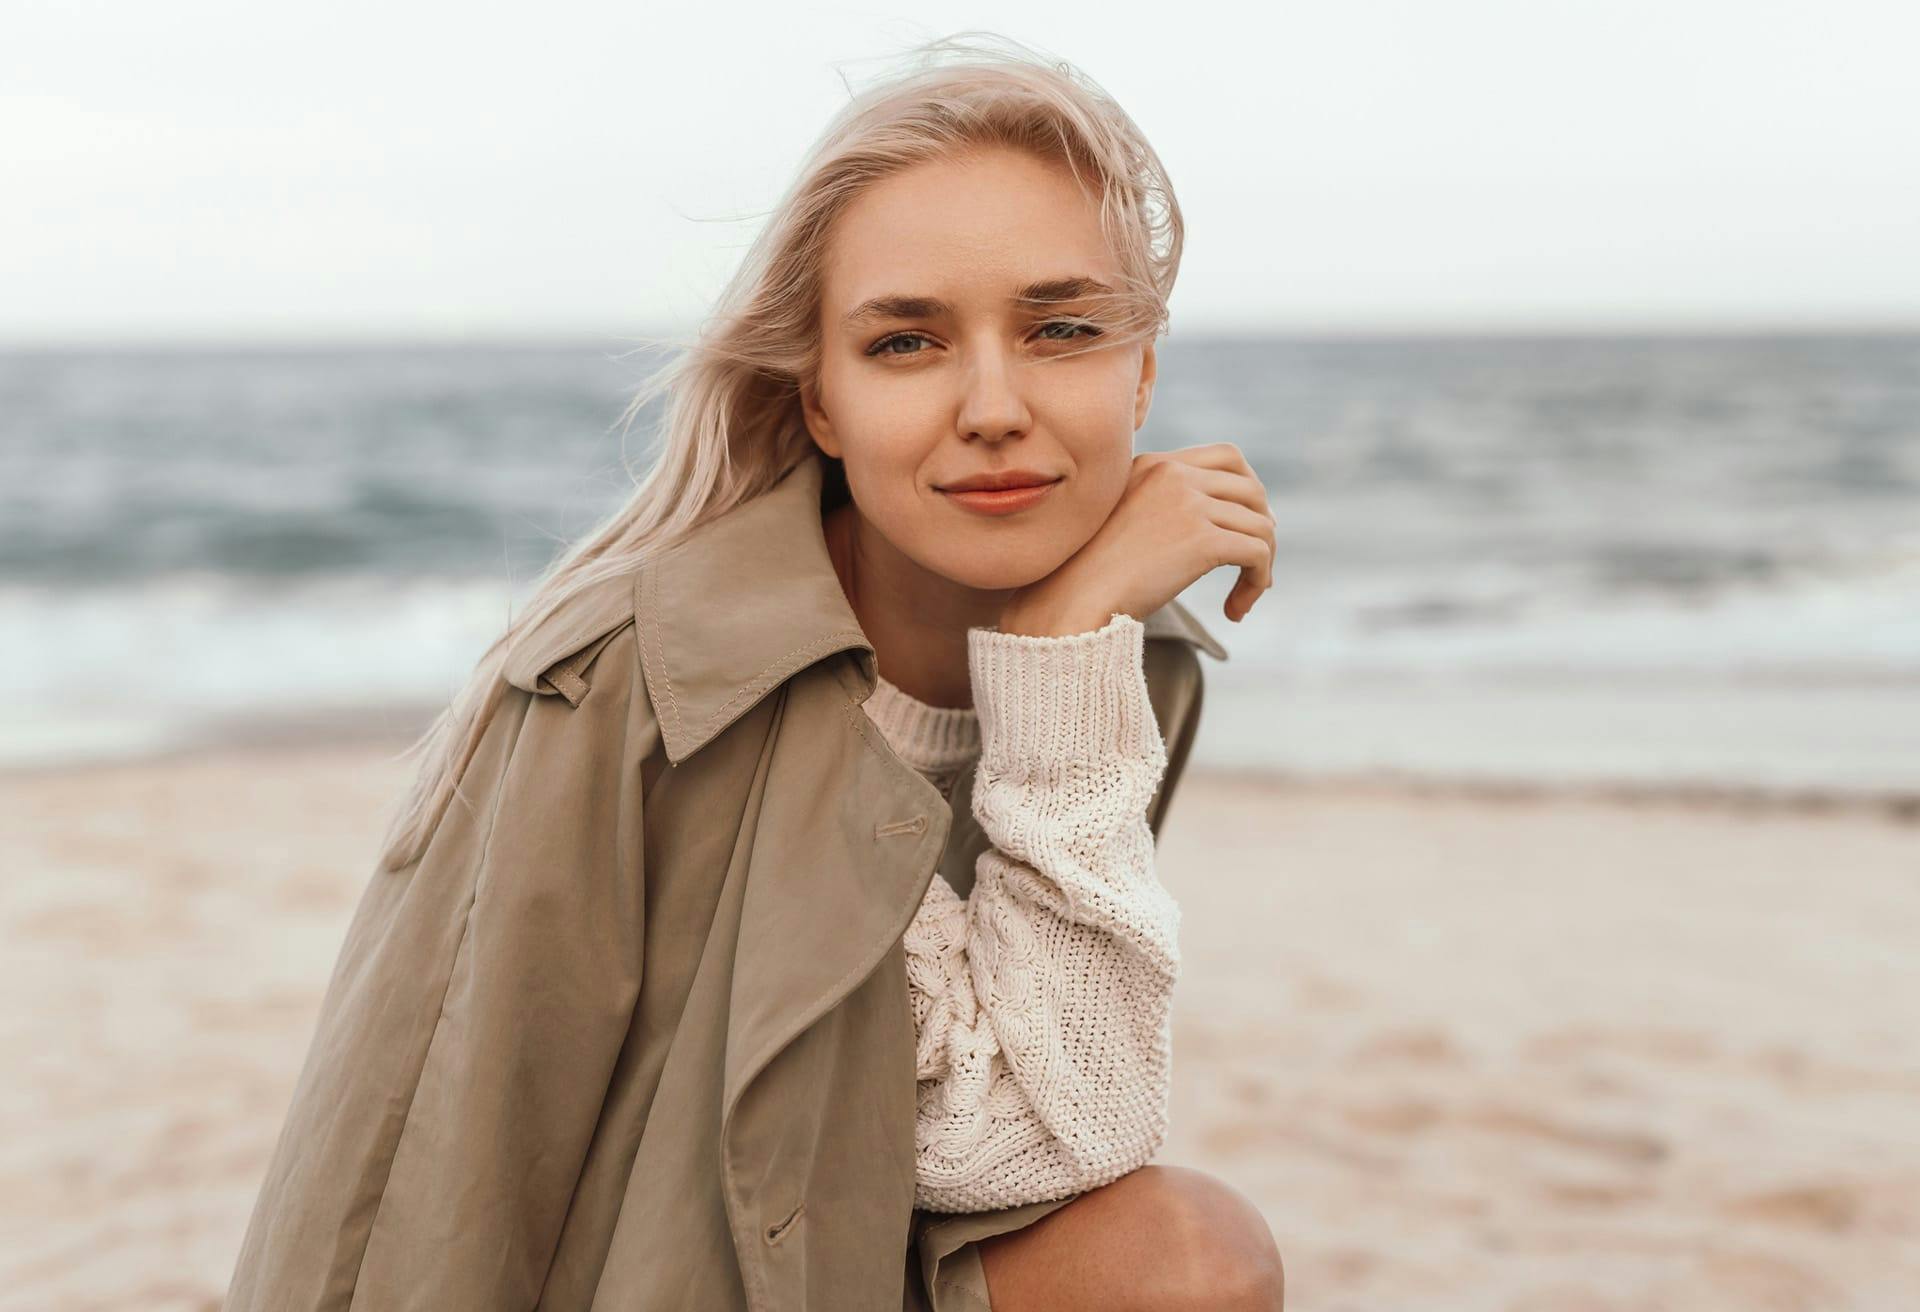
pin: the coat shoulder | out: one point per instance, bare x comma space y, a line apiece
1176, 685
1173, 622
556, 653
1176, 676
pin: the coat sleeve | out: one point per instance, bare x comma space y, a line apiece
469, 1030
1042, 1003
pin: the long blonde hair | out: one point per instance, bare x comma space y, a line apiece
732, 426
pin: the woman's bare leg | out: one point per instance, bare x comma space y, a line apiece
1162, 1238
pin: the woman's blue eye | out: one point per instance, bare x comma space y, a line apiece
881, 347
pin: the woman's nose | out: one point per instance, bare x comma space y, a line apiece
992, 407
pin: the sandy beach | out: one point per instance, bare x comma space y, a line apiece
1529, 1052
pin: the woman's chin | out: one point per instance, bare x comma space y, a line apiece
996, 576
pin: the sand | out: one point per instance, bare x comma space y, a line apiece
1536, 1053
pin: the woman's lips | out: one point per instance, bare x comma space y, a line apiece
1004, 501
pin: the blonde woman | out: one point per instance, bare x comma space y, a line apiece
773, 923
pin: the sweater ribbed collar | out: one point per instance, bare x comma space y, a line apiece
935, 740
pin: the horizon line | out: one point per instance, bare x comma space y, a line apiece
637, 338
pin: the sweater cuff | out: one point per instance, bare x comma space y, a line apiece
1078, 698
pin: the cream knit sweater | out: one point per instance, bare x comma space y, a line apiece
1042, 1003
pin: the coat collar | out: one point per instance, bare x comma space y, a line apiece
737, 606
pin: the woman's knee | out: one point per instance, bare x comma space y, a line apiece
1219, 1251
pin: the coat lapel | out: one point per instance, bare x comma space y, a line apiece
860, 832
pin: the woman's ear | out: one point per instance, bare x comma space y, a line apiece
1143, 394
819, 427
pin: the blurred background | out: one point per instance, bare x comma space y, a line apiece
1550, 869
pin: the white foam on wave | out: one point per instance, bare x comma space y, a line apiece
1857, 625
1812, 684
107, 672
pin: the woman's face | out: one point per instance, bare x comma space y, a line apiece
916, 397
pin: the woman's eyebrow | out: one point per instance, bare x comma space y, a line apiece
897, 305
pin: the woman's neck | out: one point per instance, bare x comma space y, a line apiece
916, 620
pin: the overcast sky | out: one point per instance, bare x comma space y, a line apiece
226, 169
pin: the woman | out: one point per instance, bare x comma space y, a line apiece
777, 901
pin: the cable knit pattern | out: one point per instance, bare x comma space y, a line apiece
1042, 1004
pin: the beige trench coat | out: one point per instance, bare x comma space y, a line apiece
633, 1033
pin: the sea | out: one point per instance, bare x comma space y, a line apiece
1656, 562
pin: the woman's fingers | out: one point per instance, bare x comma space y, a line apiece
1209, 455
1235, 503
1218, 469
1238, 502
1237, 488
1245, 539
1252, 524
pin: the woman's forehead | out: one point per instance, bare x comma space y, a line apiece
1007, 222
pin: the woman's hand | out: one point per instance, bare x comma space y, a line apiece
1183, 513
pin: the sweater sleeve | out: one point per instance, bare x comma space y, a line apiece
1042, 1003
